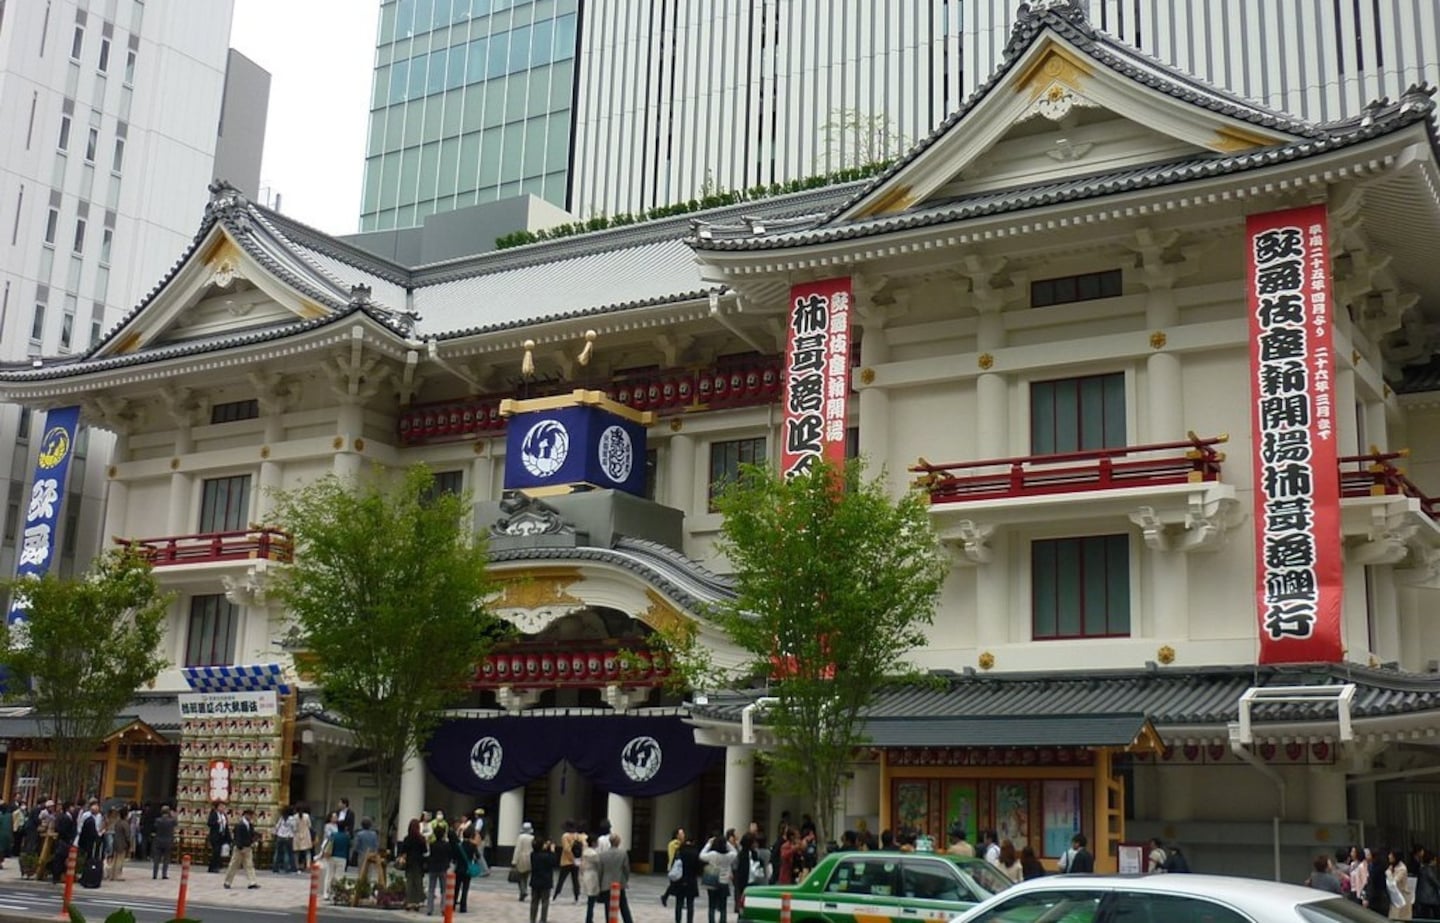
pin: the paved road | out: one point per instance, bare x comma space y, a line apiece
492, 900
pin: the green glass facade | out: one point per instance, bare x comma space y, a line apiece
472, 102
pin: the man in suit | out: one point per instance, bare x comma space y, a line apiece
65, 828
344, 817
242, 855
219, 825
614, 866
162, 843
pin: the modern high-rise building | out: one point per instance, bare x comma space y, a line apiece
611, 106
110, 113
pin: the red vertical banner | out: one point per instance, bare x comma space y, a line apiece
1299, 571
817, 375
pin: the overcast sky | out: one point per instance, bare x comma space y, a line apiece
320, 56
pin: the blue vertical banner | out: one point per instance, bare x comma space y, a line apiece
37, 543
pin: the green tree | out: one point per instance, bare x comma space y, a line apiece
855, 139
387, 594
836, 582
87, 645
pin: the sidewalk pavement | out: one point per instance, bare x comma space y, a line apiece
492, 898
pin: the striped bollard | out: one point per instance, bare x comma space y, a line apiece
614, 915
785, 907
313, 911
184, 887
69, 883
450, 896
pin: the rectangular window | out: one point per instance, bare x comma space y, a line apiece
210, 640
231, 411
447, 482
92, 144
104, 64
64, 143
77, 43
107, 238
225, 504
1080, 587
22, 429
1077, 414
1088, 286
118, 160
52, 225
129, 68
67, 329
726, 459
37, 324
79, 246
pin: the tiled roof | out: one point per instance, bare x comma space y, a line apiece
1201, 696
1008, 731
680, 578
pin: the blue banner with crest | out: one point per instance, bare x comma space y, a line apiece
42, 515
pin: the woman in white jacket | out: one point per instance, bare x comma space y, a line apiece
719, 859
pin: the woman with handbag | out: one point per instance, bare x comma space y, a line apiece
520, 861
461, 857
1397, 887
412, 859
719, 861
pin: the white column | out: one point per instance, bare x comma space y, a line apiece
179, 520
1327, 798
739, 787
1343, 412
482, 473
1377, 425
1385, 612
350, 425
680, 471
874, 419
1164, 394
412, 792
270, 474
117, 496
669, 813
507, 825
620, 809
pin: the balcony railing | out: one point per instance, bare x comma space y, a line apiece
553, 667
211, 547
1374, 475
1192, 461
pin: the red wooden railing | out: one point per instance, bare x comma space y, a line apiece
1194, 460
1373, 475
209, 547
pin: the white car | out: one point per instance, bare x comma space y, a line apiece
1163, 899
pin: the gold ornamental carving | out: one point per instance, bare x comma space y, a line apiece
676, 424
337, 443
174, 464
264, 451
1158, 339
112, 471
661, 615
1166, 654
986, 660
867, 376
359, 445
986, 362
478, 447
533, 591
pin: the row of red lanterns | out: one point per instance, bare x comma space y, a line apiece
739, 385
552, 667
450, 420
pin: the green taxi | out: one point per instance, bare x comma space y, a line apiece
878, 887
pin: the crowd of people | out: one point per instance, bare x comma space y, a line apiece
1390, 882
40, 835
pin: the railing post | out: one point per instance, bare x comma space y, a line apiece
317, 869
184, 893
69, 883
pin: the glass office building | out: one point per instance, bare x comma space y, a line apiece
472, 102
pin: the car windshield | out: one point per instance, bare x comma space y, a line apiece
1337, 910
990, 879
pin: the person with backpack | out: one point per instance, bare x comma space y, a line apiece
749, 870
572, 847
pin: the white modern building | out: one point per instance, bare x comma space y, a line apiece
615, 106
1077, 299
111, 112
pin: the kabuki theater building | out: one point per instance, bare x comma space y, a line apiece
1166, 363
